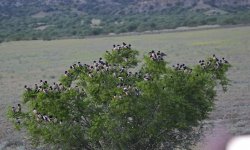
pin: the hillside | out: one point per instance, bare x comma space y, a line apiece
51, 19
108, 6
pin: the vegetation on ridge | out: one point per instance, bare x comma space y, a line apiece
35, 20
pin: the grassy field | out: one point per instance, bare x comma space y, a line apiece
26, 62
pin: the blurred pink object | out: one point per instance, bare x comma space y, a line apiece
239, 143
218, 139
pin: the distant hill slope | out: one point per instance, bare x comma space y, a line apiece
107, 6
49, 19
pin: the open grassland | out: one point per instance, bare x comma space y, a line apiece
26, 62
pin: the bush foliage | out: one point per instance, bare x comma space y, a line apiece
108, 105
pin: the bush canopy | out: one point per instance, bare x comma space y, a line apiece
122, 103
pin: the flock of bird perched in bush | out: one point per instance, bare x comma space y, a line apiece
94, 101
101, 66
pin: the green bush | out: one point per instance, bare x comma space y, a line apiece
107, 105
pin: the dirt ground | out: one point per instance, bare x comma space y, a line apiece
26, 62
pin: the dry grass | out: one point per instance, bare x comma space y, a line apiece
26, 62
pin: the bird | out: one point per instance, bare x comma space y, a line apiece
19, 109
220, 61
124, 45
129, 46
215, 58
137, 92
13, 109
39, 115
50, 88
34, 111
176, 67
225, 61
66, 73
91, 75
122, 69
114, 47
94, 63
217, 65
147, 77
61, 87
79, 64
45, 91
208, 63
27, 88
202, 64
129, 74
161, 54
45, 117
101, 61
39, 89
50, 118
41, 82
55, 86
119, 47
18, 121
125, 89
153, 55
55, 120
156, 56
36, 87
